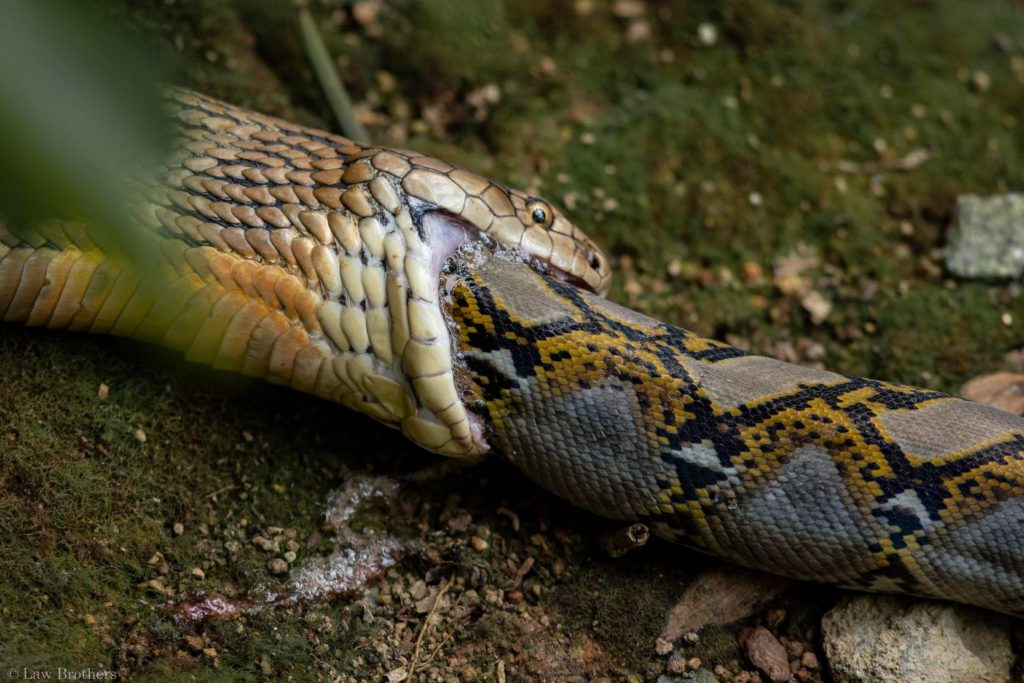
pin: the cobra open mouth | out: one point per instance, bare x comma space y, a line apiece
561, 275
446, 234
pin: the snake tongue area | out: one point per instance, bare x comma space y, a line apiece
797, 471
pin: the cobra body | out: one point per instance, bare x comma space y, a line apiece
297, 256
309, 260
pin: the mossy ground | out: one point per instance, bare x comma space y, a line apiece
835, 135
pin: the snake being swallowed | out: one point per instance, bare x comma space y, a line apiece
470, 316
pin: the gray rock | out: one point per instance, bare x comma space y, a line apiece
697, 676
883, 638
702, 676
718, 597
767, 654
987, 238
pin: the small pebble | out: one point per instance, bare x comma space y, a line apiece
178, 528
103, 392
662, 647
766, 653
478, 544
198, 573
676, 664
277, 567
707, 34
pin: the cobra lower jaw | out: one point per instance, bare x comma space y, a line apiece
435, 378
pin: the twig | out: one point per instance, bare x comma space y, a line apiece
328, 77
906, 163
423, 629
437, 649
523, 570
224, 489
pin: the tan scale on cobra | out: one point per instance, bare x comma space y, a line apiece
342, 270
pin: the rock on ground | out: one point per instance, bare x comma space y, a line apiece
767, 654
871, 638
1003, 390
987, 239
718, 597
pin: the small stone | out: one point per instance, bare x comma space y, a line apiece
628, 9
703, 676
178, 528
766, 653
981, 81
707, 34
103, 392
423, 606
277, 567
418, 590
817, 305
886, 638
210, 652
987, 238
809, 660
1003, 390
198, 573
719, 597
676, 663
478, 544
290, 556
140, 436
751, 272
662, 647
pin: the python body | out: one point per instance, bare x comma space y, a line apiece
350, 272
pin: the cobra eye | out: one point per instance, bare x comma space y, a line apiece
539, 212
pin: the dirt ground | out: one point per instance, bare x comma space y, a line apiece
777, 174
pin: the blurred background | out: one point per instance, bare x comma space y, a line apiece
780, 174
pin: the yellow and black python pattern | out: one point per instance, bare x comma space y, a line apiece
805, 473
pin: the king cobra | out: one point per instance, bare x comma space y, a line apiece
470, 316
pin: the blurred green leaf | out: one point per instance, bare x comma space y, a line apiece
81, 114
